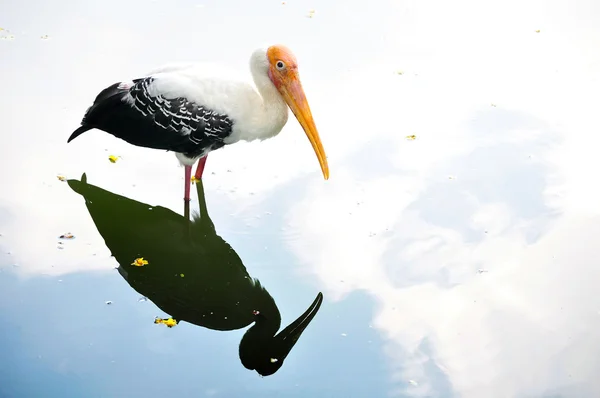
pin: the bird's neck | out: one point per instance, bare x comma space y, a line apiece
271, 114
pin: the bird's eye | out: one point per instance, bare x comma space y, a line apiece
280, 65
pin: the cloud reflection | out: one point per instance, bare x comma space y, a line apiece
523, 206
480, 279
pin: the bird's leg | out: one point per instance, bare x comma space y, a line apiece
188, 181
186, 210
200, 168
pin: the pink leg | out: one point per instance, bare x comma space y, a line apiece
200, 168
188, 181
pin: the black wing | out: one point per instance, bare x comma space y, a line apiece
132, 113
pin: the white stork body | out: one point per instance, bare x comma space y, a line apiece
258, 110
191, 111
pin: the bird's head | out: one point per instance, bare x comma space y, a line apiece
261, 351
283, 72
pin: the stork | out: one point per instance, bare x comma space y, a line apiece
191, 112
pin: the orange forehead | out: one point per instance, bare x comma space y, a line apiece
281, 53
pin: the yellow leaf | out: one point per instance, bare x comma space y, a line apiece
537, 31
169, 322
61, 178
411, 137
113, 158
194, 179
139, 262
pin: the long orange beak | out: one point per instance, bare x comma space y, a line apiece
293, 94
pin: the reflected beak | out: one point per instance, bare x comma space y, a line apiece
261, 352
287, 338
293, 94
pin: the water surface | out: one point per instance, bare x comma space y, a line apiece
454, 244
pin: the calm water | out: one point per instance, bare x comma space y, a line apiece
76, 331
452, 253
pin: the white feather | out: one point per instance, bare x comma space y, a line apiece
258, 111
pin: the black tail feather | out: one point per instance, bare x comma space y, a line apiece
99, 104
135, 115
78, 132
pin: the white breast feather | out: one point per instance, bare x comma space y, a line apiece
225, 92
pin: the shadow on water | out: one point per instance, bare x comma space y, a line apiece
192, 274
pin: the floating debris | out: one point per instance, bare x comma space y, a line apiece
344, 335
494, 105
537, 31
181, 275
108, 302
413, 383
168, 322
61, 178
452, 177
143, 298
139, 262
411, 137
399, 72
113, 158
481, 270
273, 360
68, 235
44, 37
283, 3
311, 13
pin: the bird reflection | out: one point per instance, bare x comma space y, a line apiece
192, 274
